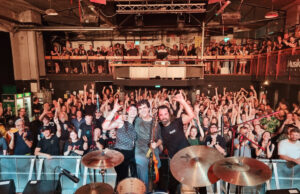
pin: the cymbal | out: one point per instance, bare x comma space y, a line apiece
102, 159
95, 188
242, 171
192, 165
131, 186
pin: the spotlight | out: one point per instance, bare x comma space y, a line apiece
266, 83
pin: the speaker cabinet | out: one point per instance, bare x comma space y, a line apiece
283, 191
43, 187
7, 186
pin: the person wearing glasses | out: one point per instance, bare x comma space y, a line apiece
21, 141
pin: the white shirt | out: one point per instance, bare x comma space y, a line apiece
292, 150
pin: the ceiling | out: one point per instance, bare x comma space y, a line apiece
162, 17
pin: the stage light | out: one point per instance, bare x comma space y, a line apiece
226, 39
266, 83
157, 86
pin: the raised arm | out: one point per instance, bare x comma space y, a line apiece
188, 130
190, 114
84, 94
108, 124
93, 92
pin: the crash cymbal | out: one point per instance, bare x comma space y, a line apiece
102, 159
95, 188
242, 171
131, 186
192, 165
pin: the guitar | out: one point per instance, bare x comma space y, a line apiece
153, 160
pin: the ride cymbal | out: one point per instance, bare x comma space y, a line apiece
102, 159
192, 165
242, 171
95, 188
132, 186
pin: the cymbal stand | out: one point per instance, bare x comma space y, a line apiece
201, 190
238, 189
102, 172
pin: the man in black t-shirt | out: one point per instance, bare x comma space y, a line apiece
172, 133
86, 129
49, 144
36, 107
21, 141
89, 108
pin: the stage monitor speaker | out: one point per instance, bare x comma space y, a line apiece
7, 186
283, 191
43, 187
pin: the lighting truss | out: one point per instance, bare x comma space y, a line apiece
160, 8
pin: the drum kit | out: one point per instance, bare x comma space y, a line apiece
195, 166
199, 166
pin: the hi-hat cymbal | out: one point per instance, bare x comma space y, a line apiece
242, 171
102, 159
95, 188
192, 165
131, 186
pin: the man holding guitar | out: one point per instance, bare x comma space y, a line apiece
145, 136
172, 133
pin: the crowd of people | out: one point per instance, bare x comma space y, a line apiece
222, 48
97, 120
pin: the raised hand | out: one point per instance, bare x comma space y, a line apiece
116, 105
24, 135
85, 139
69, 148
179, 97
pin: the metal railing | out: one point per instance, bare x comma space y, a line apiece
24, 168
273, 63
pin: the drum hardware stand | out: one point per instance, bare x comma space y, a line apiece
201, 190
102, 172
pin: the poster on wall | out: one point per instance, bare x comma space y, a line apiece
293, 64
198, 41
86, 44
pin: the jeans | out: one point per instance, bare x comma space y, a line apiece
142, 163
142, 166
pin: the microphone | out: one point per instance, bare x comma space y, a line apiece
69, 175
241, 138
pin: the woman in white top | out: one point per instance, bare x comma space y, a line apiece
243, 62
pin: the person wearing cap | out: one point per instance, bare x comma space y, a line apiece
46, 124
49, 144
21, 141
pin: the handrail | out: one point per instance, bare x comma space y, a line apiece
263, 65
281, 177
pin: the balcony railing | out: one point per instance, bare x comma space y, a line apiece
273, 63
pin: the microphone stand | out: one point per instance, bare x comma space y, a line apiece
235, 130
260, 147
57, 187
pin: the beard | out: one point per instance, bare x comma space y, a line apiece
165, 122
